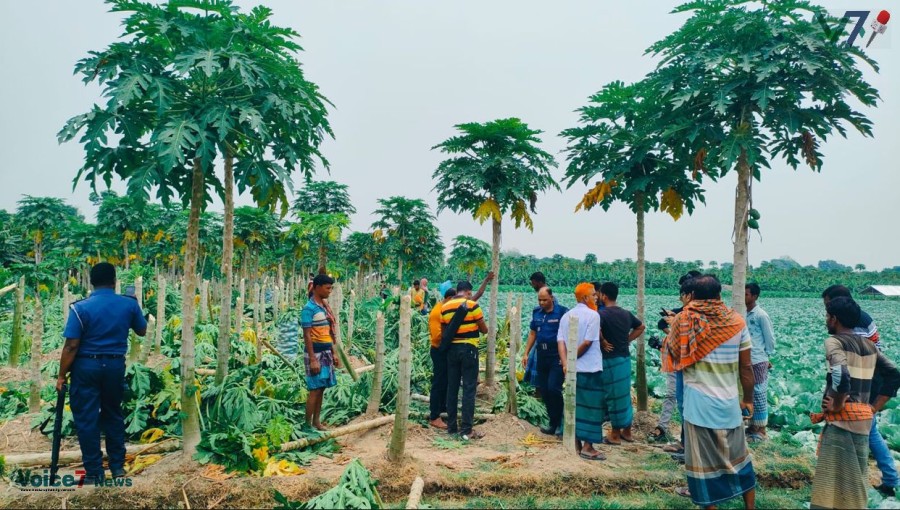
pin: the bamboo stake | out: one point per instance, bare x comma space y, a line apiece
398, 434
415, 493
160, 311
375, 395
338, 432
37, 333
18, 332
67, 457
571, 380
515, 325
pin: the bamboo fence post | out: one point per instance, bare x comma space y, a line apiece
375, 395
18, 332
515, 326
338, 432
415, 494
398, 434
160, 311
571, 380
37, 333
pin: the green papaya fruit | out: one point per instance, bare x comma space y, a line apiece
754, 214
752, 223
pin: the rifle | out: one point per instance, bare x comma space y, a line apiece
57, 432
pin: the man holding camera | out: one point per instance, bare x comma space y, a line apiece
96, 342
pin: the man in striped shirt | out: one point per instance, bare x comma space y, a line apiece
462, 360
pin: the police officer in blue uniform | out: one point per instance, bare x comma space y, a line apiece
543, 336
96, 342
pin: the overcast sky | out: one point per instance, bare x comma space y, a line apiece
402, 73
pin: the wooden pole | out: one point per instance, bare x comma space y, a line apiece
571, 381
415, 493
375, 395
338, 432
398, 435
37, 333
515, 326
160, 310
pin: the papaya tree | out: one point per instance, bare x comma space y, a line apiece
188, 81
42, 219
324, 209
494, 168
469, 254
759, 81
621, 144
406, 229
121, 218
359, 249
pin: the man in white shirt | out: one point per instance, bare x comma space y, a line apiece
589, 365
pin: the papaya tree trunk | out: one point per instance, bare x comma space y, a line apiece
160, 310
741, 234
37, 333
224, 341
15, 347
570, 387
401, 418
323, 258
190, 411
127, 258
489, 376
375, 395
640, 383
400, 274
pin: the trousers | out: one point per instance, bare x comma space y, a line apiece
462, 369
95, 396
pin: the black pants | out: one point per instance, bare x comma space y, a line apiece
462, 365
550, 381
96, 400
438, 395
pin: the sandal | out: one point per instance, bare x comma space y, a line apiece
594, 456
474, 434
755, 438
683, 491
658, 435
611, 443
673, 448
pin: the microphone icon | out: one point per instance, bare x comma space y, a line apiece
879, 25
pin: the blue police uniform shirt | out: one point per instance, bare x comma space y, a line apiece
546, 325
102, 322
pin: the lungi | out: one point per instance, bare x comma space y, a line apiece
760, 393
840, 479
615, 402
326, 377
718, 464
588, 411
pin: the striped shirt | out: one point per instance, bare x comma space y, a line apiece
711, 386
851, 363
315, 318
468, 332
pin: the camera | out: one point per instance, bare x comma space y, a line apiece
654, 342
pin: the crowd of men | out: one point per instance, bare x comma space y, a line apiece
716, 363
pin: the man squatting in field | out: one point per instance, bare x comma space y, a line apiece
866, 328
848, 408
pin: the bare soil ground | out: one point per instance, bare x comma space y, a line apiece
513, 459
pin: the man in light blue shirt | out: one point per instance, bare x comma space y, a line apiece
589, 366
762, 336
